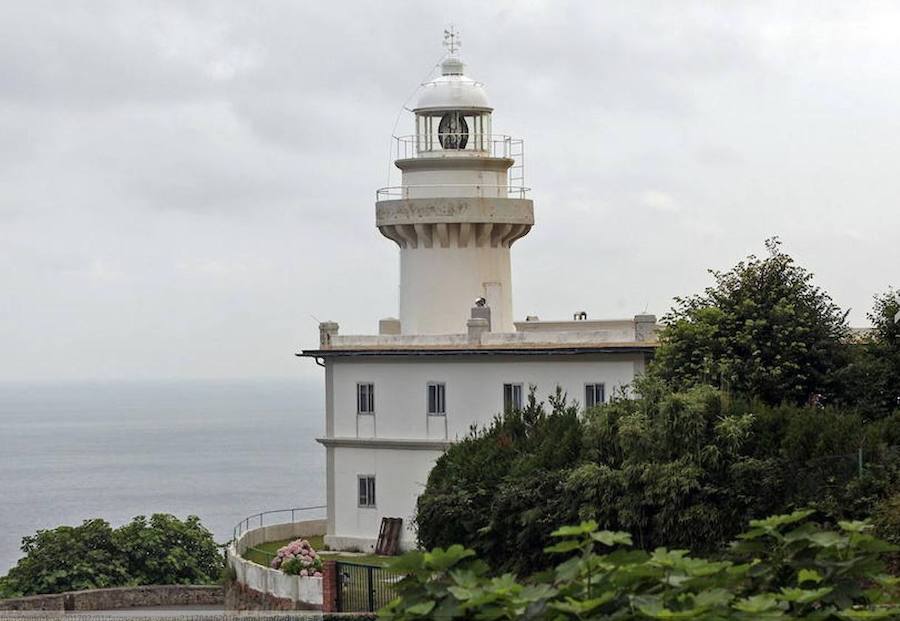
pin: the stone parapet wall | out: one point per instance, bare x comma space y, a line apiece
120, 597
240, 597
261, 588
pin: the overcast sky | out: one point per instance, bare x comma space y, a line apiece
184, 186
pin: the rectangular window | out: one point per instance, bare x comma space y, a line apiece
594, 394
437, 399
365, 398
512, 397
366, 490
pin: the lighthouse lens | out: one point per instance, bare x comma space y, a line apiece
453, 131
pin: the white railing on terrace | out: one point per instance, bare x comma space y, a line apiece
258, 520
454, 190
452, 143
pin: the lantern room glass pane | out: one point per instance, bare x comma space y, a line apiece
453, 130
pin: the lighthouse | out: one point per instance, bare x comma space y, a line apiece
459, 208
456, 357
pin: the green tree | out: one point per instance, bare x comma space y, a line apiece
166, 550
68, 558
871, 379
763, 330
161, 550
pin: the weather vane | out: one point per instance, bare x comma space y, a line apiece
451, 40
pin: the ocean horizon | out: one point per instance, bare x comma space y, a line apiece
218, 449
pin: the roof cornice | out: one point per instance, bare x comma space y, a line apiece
384, 443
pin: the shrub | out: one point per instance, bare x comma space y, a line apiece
298, 558
501, 481
166, 550
871, 379
887, 525
785, 567
163, 550
69, 558
683, 469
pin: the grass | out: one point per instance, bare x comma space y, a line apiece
265, 552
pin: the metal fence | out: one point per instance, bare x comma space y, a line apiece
266, 518
364, 588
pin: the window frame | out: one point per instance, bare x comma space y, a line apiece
593, 387
521, 401
441, 396
370, 491
370, 399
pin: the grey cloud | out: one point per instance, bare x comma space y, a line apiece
193, 180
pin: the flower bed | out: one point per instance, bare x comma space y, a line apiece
298, 558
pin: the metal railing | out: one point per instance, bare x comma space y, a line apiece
258, 520
451, 190
485, 145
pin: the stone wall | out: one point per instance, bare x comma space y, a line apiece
240, 597
256, 587
120, 597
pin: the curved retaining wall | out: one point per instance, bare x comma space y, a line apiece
120, 597
262, 588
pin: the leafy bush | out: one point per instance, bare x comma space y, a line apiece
495, 490
871, 379
166, 550
764, 331
69, 558
298, 558
163, 550
887, 525
683, 469
785, 567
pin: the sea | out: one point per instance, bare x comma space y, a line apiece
221, 450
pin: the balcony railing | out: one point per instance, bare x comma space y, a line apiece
462, 143
450, 190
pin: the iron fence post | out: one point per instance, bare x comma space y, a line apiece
371, 584
338, 588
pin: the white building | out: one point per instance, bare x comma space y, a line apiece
396, 400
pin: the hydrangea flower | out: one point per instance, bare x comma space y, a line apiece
298, 558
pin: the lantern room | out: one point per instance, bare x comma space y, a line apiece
453, 116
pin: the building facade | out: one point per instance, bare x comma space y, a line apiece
455, 356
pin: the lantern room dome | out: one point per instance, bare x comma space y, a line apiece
452, 90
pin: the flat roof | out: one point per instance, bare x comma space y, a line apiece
528, 349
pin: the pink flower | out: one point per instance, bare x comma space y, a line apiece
299, 550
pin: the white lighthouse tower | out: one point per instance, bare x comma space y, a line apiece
460, 206
395, 400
